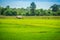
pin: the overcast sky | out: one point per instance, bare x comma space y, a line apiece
45, 4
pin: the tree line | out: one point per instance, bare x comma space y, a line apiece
54, 10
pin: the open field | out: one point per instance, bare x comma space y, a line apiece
30, 28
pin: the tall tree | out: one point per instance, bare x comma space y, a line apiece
32, 8
7, 7
55, 8
0, 10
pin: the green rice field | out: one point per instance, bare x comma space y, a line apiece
30, 28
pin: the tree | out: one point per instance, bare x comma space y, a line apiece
9, 11
32, 8
7, 7
0, 10
28, 11
55, 8
49, 12
41, 12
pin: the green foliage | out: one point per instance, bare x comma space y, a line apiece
54, 10
9, 12
32, 8
2, 11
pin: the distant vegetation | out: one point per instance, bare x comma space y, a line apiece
54, 10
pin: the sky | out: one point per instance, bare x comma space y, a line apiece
45, 4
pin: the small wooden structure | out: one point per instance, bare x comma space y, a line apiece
19, 17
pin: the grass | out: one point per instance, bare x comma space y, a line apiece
30, 28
